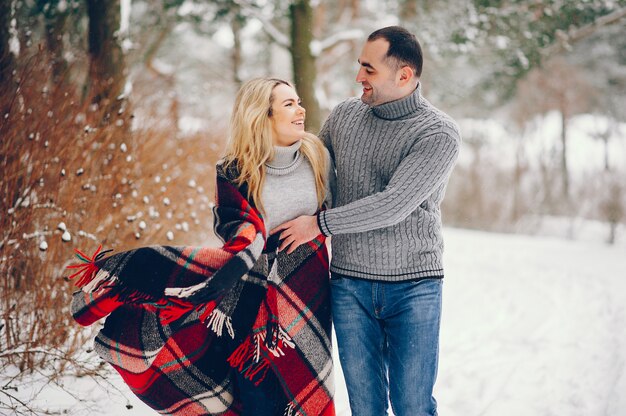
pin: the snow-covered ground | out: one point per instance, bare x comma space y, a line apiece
531, 326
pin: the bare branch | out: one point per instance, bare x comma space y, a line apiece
17, 410
317, 47
567, 38
21, 351
154, 48
249, 10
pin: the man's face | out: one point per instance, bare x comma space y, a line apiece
377, 77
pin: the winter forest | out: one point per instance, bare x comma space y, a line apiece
113, 115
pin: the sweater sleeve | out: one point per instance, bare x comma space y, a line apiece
328, 127
423, 170
331, 182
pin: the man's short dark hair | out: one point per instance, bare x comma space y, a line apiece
404, 49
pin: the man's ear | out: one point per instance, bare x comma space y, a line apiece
405, 75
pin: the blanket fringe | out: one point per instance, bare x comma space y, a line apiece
291, 411
217, 321
100, 279
282, 340
131, 295
271, 305
249, 360
184, 292
87, 271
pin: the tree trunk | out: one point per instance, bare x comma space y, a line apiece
612, 232
614, 207
605, 139
516, 211
408, 10
168, 79
55, 28
303, 61
549, 189
564, 169
106, 66
7, 62
236, 24
477, 186
267, 55
356, 8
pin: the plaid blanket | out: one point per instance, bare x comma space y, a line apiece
180, 321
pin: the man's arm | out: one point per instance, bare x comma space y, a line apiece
426, 167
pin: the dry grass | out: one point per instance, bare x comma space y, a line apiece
63, 171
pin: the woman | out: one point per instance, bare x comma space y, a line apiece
243, 329
285, 171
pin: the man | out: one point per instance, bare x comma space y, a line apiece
393, 152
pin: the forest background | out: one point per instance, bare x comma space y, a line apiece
113, 114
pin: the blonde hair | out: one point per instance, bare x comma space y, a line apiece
250, 143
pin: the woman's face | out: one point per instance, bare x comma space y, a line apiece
287, 116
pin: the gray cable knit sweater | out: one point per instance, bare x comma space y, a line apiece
289, 188
393, 162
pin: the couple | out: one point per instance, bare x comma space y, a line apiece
245, 329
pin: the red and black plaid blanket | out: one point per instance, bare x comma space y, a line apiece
180, 321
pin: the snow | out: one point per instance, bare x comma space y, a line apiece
530, 326
66, 236
124, 16
585, 154
14, 41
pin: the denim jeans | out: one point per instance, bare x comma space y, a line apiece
388, 340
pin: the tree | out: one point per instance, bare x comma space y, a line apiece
107, 72
7, 62
603, 135
229, 11
612, 205
521, 115
558, 86
524, 34
603, 58
301, 43
55, 14
303, 61
236, 25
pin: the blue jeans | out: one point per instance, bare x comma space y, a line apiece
388, 340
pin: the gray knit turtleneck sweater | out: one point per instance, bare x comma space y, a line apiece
393, 162
289, 188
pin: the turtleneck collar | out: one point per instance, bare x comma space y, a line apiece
286, 159
402, 108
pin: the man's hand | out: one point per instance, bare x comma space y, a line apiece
297, 232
